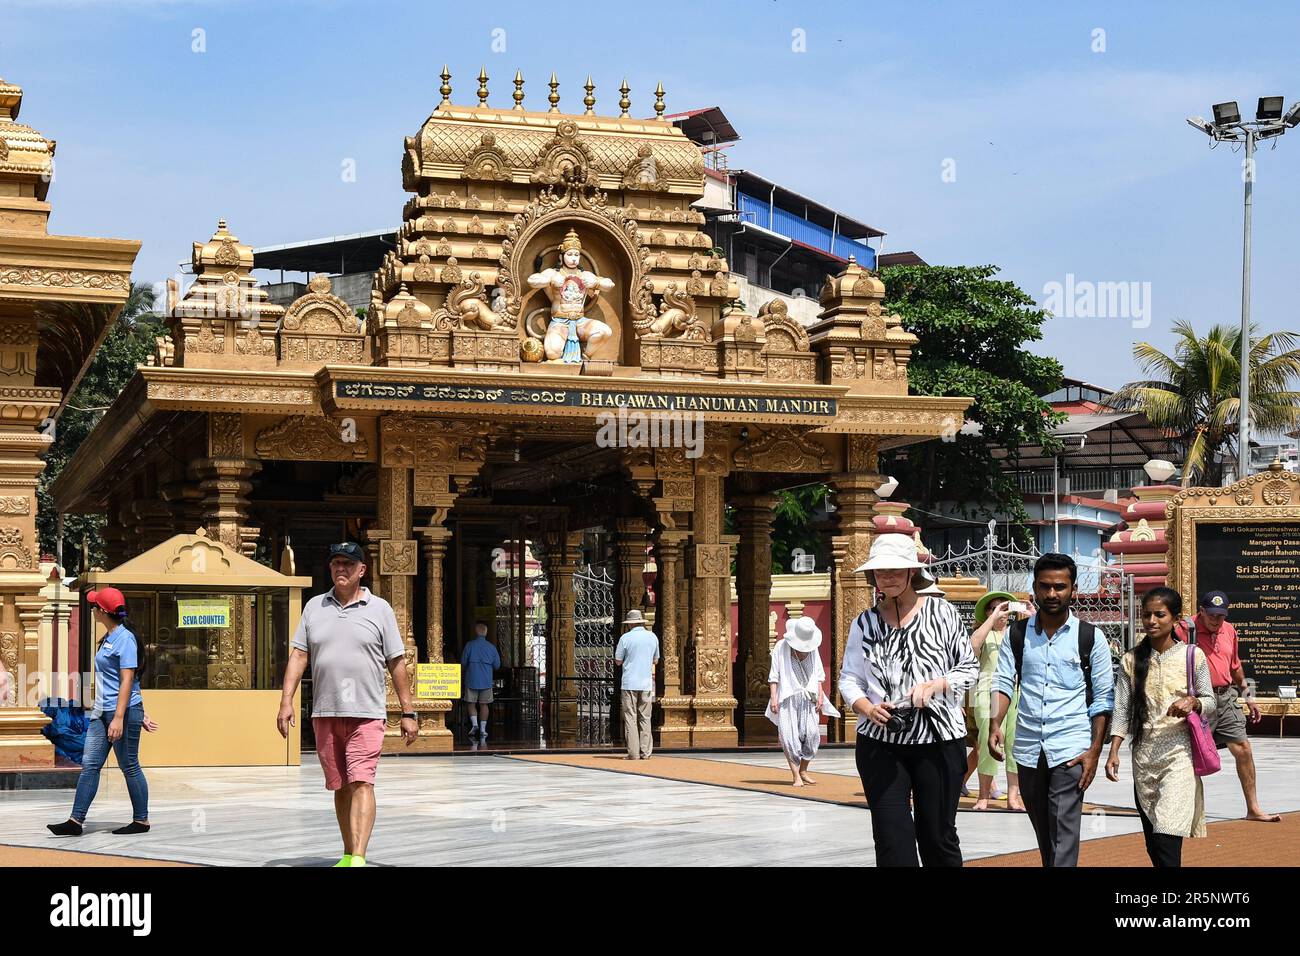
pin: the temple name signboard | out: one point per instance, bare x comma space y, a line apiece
660, 400
1257, 564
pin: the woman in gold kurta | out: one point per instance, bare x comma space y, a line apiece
1151, 707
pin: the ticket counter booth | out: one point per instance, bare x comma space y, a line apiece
213, 628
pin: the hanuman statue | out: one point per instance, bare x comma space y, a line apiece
572, 335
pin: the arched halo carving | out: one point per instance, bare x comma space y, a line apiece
487, 161
579, 204
565, 159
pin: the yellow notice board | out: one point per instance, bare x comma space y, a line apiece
437, 681
202, 613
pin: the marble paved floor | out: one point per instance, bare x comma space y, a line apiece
494, 810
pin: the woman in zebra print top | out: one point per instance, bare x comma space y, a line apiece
907, 665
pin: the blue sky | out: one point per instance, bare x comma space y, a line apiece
1067, 161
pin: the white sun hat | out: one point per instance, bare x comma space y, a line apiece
891, 551
802, 634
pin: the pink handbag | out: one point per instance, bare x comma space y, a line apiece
1205, 756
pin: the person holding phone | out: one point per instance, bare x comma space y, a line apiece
115, 720
993, 612
1152, 702
907, 665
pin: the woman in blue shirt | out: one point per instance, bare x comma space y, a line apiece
116, 720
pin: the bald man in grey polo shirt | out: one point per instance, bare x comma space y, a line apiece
349, 636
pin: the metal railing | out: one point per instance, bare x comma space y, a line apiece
1079, 480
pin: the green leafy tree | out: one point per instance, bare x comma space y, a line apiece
973, 329
128, 343
1195, 393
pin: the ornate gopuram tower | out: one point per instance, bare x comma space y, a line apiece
59, 296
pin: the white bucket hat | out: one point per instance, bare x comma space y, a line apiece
890, 551
802, 634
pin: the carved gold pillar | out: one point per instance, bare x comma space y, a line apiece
630, 548
851, 593
753, 597
433, 722
398, 565
22, 442
709, 566
675, 730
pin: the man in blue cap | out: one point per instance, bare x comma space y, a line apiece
1217, 639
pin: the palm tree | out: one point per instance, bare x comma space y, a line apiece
1194, 394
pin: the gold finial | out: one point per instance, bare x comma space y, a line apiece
589, 100
659, 101
445, 89
518, 94
554, 97
571, 242
624, 104
482, 86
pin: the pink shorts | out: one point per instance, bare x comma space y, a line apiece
348, 749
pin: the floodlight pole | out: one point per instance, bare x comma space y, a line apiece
1243, 427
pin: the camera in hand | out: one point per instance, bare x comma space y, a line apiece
902, 713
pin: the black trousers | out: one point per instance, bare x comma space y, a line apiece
898, 777
1054, 805
1163, 849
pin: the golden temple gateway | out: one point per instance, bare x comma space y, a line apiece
550, 275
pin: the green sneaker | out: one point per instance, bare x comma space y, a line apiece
357, 861
345, 861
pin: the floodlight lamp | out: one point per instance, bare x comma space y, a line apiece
1270, 108
1270, 132
1199, 123
1159, 470
1226, 114
1293, 115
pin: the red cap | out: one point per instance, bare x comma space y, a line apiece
109, 600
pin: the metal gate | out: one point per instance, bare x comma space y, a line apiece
1103, 595
593, 654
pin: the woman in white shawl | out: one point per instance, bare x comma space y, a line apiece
798, 700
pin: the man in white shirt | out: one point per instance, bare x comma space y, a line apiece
637, 653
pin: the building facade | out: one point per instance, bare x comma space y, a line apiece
551, 299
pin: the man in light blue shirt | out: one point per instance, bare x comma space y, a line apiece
637, 653
479, 662
1065, 704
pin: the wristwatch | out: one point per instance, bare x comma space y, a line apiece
412, 716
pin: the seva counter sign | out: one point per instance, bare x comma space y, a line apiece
437, 681
202, 614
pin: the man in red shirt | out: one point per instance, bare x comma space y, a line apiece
1217, 639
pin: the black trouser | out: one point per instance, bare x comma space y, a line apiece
1163, 849
1054, 805
930, 777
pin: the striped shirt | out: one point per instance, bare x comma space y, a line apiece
884, 663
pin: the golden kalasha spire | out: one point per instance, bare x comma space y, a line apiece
589, 100
482, 86
571, 243
518, 94
554, 97
624, 104
445, 89
659, 101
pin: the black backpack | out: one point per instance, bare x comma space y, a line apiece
1087, 637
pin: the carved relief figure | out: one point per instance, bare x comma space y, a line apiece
572, 335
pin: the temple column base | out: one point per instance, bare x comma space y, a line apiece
713, 725
432, 735
675, 726
22, 745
